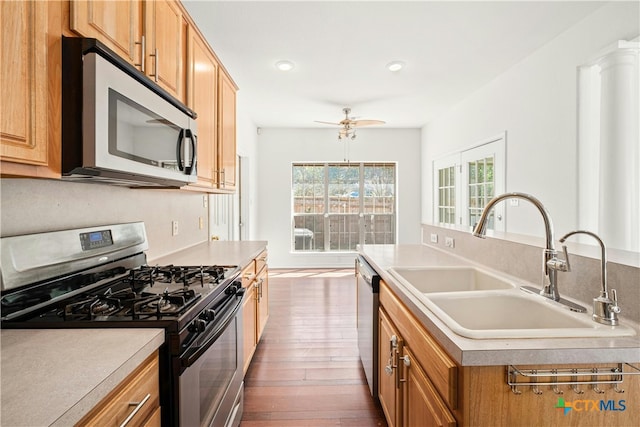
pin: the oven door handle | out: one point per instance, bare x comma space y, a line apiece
193, 353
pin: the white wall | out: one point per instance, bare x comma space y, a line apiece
247, 146
535, 102
279, 148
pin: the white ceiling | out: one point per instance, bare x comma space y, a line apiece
340, 48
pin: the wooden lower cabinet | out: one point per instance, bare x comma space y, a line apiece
255, 307
389, 343
262, 300
139, 393
422, 405
407, 396
249, 323
429, 389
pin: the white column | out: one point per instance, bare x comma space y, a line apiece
619, 209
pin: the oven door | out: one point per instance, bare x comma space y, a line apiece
211, 387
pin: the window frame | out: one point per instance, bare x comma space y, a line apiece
491, 147
364, 230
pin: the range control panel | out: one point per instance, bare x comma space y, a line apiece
96, 239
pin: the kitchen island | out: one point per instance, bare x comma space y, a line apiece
480, 352
429, 374
54, 377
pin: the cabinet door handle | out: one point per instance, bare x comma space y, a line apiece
143, 53
407, 362
138, 406
155, 60
391, 363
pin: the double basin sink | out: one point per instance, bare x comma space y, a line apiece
476, 303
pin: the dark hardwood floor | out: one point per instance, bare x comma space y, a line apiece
306, 370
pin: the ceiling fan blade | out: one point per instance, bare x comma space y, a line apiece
355, 123
327, 123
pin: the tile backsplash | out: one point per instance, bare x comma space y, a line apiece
524, 260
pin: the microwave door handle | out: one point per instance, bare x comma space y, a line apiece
179, 149
192, 139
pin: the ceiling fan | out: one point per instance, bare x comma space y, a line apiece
349, 124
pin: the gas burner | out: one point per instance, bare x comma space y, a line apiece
148, 276
161, 306
91, 308
168, 302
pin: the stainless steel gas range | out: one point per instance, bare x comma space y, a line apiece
98, 277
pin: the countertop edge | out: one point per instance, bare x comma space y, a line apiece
102, 390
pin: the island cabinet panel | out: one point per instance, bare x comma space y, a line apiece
136, 400
30, 98
485, 397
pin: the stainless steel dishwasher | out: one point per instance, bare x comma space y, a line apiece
368, 290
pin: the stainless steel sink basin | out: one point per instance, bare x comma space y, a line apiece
512, 314
449, 279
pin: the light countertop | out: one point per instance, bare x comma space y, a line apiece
53, 377
216, 252
488, 352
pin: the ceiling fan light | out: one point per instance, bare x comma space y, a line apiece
395, 66
285, 65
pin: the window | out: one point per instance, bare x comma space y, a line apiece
337, 206
447, 195
464, 182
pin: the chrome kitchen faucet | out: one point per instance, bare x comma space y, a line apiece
551, 265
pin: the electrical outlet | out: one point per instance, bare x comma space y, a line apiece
434, 238
514, 202
174, 228
200, 223
449, 242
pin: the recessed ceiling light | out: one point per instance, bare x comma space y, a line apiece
285, 65
395, 65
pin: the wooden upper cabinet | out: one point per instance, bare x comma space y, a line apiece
166, 35
151, 35
227, 132
30, 88
202, 90
117, 24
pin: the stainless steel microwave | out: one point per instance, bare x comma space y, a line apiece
118, 126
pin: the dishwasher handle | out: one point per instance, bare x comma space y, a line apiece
368, 274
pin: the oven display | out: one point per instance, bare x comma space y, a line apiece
96, 239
